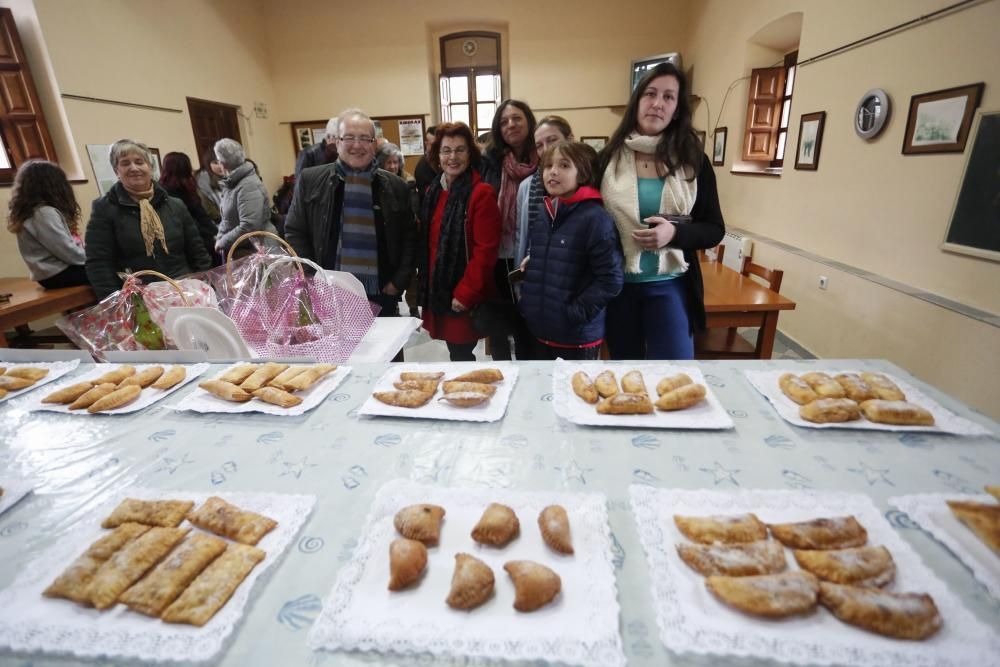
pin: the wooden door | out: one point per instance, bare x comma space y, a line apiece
767, 90
211, 121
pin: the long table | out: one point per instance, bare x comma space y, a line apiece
29, 301
80, 462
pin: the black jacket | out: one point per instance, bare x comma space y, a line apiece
207, 227
312, 226
314, 156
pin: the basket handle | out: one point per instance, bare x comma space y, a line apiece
157, 274
275, 237
299, 261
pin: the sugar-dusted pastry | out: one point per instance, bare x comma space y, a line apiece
116, 376
633, 383
227, 391
143, 378
497, 526
767, 595
217, 516
430, 386
465, 399
173, 377
278, 397
883, 387
471, 584
993, 491
553, 522
486, 375
826, 533
309, 377
625, 404
896, 412
161, 586
128, 564
68, 394
119, 398
981, 518
796, 389
856, 389
672, 382
453, 386
421, 375
420, 522
11, 383
827, 410
899, 615
411, 398
92, 396
163, 513
534, 584
285, 376
214, 586
32, 373
584, 387
407, 560
727, 529
74, 581
734, 560
824, 385
871, 567
237, 374
262, 375
606, 384
682, 397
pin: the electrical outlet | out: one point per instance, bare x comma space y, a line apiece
823, 282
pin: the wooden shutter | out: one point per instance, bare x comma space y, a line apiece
767, 91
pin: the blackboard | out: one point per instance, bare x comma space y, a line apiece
975, 222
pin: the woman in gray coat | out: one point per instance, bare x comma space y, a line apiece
245, 204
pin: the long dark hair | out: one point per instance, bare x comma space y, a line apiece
497, 146
41, 183
207, 158
176, 175
678, 147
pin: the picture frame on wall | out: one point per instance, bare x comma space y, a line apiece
810, 140
719, 146
974, 228
104, 175
304, 138
155, 152
939, 121
597, 143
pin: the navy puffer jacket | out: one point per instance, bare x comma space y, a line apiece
574, 271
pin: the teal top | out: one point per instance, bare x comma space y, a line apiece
650, 194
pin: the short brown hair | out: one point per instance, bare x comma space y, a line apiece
454, 130
583, 156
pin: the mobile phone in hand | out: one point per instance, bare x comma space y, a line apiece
515, 276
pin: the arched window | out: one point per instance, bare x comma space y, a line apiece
470, 88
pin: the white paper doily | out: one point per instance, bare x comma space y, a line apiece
146, 398
709, 414
200, 400
13, 490
30, 622
579, 627
932, 513
945, 421
692, 620
490, 411
56, 370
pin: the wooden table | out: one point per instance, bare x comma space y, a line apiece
29, 301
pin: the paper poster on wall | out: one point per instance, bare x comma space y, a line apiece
411, 136
378, 128
99, 160
318, 134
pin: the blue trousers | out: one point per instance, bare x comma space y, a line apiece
650, 321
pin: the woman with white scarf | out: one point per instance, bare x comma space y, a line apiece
659, 187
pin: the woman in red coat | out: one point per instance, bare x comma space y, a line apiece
462, 221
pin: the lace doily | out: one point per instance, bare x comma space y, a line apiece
13, 490
57, 369
200, 400
490, 411
580, 627
709, 414
931, 511
945, 421
30, 622
691, 620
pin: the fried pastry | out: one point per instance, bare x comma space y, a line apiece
28, 373
737, 560
625, 404
453, 386
3, 392
173, 377
584, 387
154, 592
285, 376
237, 374
429, 386
465, 399
485, 375
163, 513
309, 377
421, 375
119, 398
534, 584
214, 586
896, 412
68, 394
92, 396
11, 383
143, 378
262, 375
824, 385
497, 526
672, 382
116, 376
128, 564
74, 581
871, 567
633, 383
729, 529
796, 389
553, 522
682, 397
227, 391
471, 584
856, 389
827, 410
407, 560
981, 519
767, 595
993, 491
410, 398
420, 522
3, 369
606, 384
278, 397
899, 615
217, 516
827, 533
883, 387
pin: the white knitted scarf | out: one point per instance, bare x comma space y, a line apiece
620, 190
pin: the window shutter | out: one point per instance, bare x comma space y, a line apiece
767, 90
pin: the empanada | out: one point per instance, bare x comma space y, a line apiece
553, 522
143, 378
3, 392
68, 394
161, 586
827, 410
278, 397
534, 584
827, 533
497, 526
584, 387
92, 396
633, 383
672, 382
128, 564
607, 384
729, 529
453, 386
465, 399
899, 615
286, 376
237, 374
471, 584
871, 567
796, 389
824, 385
174, 376
993, 491
116, 376
11, 383
896, 412
883, 387
420, 522
32, 373
214, 586
217, 516
410, 398
682, 397
407, 560
981, 519
856, 389
486, 375
767, 595
227, 391
429, 386
625, 404
163, 513
309, 377
736, 560
119, 398
421, 375
262, 375
74, 581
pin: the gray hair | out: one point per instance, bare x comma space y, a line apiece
333, 127
230, 153
124, 147
387, 151
353, 112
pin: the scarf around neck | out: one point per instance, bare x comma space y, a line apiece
150, 224
452, 251
357, 248
511, 175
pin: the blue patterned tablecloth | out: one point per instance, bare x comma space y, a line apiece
79, 462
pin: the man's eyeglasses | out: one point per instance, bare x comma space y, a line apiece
351, 139
460, 151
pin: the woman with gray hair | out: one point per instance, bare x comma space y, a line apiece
136, 225
245, 204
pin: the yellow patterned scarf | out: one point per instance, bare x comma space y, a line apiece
149, 221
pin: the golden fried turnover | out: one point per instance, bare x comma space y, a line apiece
92, 396
237, 374
796, 389
606, 384
407, 560
633, 383
116, 376
410, 398
824, 385
736, 560
896, 412
471, 584
165, 582
119, 398
625, 404
285, 376
993, 491
28, 373
3, 392
682, 397
767, 595
429, 386
553, 522
11, 383
73, 583
227, 391
981, 519
827, 410
163, 513
309, 377
856, 389
171, 378
728, 529
497, 526
584, 387
453, 386
217, 516
485, 375
262, 375
826, 533
143, 378
672, 382
871, 567
421, 375
68, 394
420, 522
534, 584
465, 399
883, 387
214, 586
899, 615
128, 564
278, 397
3, 369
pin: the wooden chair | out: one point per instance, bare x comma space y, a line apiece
727, 343
720, 251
